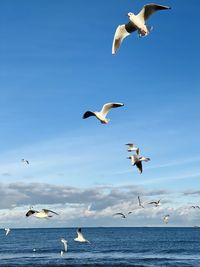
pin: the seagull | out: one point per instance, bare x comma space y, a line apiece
166, 219
7, 230
195, 207
121, 214
136, 23
137, 160
156, 203
80, 237
132, 147
25, 161
129, 212
64, 241
139, 202
43, 214
101, 115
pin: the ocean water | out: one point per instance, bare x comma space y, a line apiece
109, 247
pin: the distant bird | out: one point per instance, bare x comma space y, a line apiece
7, 230
121, 214
139, 202
132, 147
195, 207
25, 161
64, 241
129, 212
80, 237
136, 160
43, 214
136, 23
166, 219
155, 203
101, 115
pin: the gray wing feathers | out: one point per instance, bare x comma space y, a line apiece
149, 9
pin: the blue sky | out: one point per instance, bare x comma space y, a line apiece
56, 63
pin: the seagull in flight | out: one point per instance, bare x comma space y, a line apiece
155, 203
132, 147
139, 202
136, 160
7, 230
80, 238
195, 207
121, 214
25, 161
64, 241
166, 219
136, 23
101, 115
43, 214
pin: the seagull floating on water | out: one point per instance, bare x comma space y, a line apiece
101, 115
136, 160
155, 203
140, 202
43, 214
136, 23
7, 230
80, 237
25, 161
166, 219
132, 147
121, 214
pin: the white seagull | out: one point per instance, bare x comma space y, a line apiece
80, 237
166, 219
43, 214
155, 203
101, 115
136, 160
25, 161
140, 202
64, 241
136, 23
132, 147
7, 230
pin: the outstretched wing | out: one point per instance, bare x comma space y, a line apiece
30, 212
64, 243
88, 114
121, 32
47, 211
119, 213
139, 165
106, 108
149, 9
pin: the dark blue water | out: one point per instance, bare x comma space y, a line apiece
109, 247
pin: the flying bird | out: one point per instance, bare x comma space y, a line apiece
155, 203
43, 214
101, 115
7, 230
121, 214
136, 23
166, 219
195, 207
136, 160
25, 161
132, 147
80, 237
139, 202
64, 241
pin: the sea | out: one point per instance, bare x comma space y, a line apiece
145, 246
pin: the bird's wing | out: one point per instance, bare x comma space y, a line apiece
80, 235
119, 213
139, 165
64, 243
139, 201
148, 10
121, 32
130, 145
88, 114
153, 202
27, 161
47, 211
105, 109
30, 212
